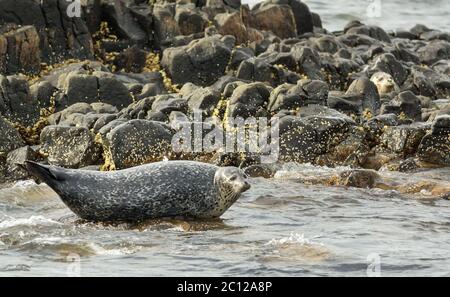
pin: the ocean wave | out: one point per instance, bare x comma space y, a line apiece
294, 238
31, 221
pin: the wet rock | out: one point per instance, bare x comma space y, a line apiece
91, 89
304, 139
60, 35
408, 104
131, 59
130, 20
137, 142
190, 20
202, 62
248, 101
359, 178
262, 170
16, 103
19, 51
9, 138
356, 27
434, 51
71, 147
367, 93
204, 100
291, 97
165, 25
327, 44
435, 146
404, 139
17, 158
389, 64
255, 69
43, 92
276, 18
303, 17
308, 61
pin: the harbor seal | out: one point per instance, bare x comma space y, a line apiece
164, 189
385, 83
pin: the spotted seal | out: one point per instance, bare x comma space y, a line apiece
164, 189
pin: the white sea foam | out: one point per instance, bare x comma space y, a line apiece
101, 251
24, 184
31, 221
294, 238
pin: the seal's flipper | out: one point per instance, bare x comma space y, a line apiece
43, 173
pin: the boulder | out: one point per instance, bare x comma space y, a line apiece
90, 89
16, 103
202, 62
408, 104
204, 100
9, 138
278, 19
19, 51
435, 146
71, 147
137, 142
61, 36
17, 158
248, 100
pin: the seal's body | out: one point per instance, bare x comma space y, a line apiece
163, 189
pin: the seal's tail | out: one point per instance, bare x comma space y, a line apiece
41, 172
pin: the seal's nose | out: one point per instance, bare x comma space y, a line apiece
246, 186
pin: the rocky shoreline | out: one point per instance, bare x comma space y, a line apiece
108, 90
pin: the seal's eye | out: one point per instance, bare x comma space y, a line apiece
233, 178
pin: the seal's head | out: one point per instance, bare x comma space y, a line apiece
385, 83
230, 183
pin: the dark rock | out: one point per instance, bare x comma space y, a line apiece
359, 178
137, 142
16, 103
61, 36
404, 139
303, 139
278, 19
409, 104
201, 62
262, 170
248, 100
255, 69
375, 32
367, 93
19, 51
291, 97
91, 89
389, 64
308, 61
435, 146
10, 139
434, 51
190, 20
17, 158
132, 59
71, 147
204, 100
165, 26
43, 92
129, 20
